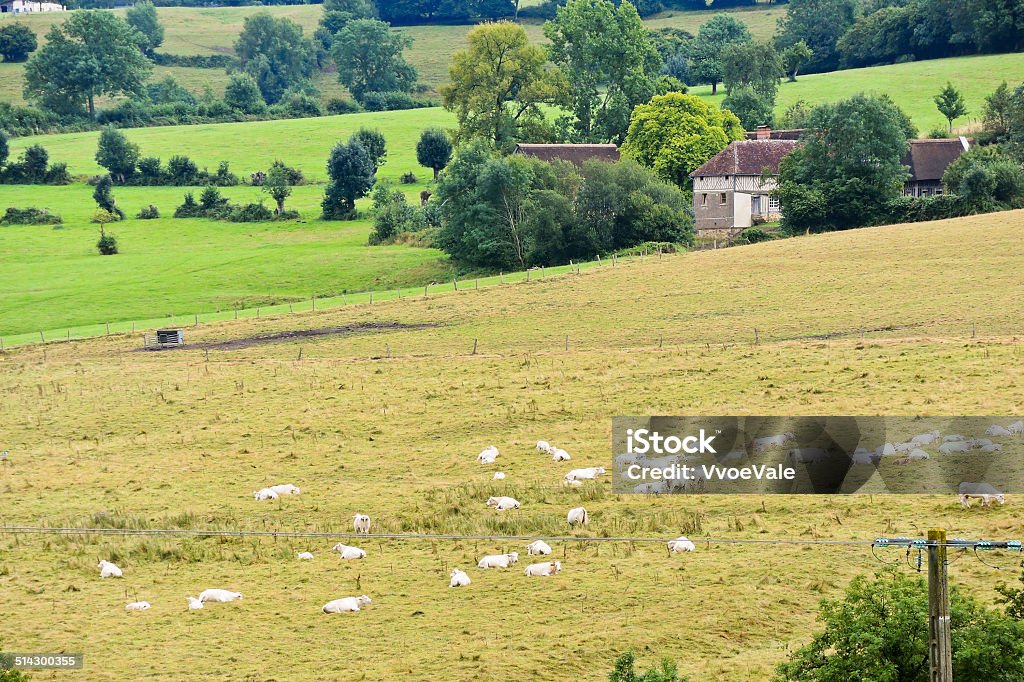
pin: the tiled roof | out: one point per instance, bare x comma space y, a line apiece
574, 153
747, 157
928, 159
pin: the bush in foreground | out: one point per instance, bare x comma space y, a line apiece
29, 216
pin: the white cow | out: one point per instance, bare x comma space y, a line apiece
499, 476
361, 523
137, 606
459, 579
194, 604
265, 494
499, 560
348, 552
572, 483
488, 455
983, 491
218, 595
864, 456
915, 455
953, 438
997, 430
109, 570
346, 604
954, 446
285, 489
680, 544
651, 488
806, 455
547, 568
886, 450
560, 455
925, 438
538, 547
305, 556
584, 474
503, 503
769, 442
1016, 427
544, 446
578, 516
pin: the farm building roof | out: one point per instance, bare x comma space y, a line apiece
928, 159
573, 153
747, 157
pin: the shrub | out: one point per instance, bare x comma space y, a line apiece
117, 154
939, 133
29, 216
107, 245
294, 175
57, 174
103, 216
408, 178
625, 671
150, 172
390, 101
104, 197
148, 213
754, 235
189, 208
181, 170
224, 177
342, 106
250, 213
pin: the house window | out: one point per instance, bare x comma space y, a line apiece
925, 191
773, 204
703, 199
723, 198
938, 191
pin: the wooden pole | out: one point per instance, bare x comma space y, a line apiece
940, 653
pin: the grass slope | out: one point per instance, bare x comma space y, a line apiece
102, 435
912, 86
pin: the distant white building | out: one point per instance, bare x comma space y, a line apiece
28, 6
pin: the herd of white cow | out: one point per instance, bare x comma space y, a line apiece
578, 516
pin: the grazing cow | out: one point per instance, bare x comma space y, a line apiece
925, 438
137, 606
305, 556
488, 455
954, 446
997, 430
285, 489
578, 517
109, 570
348, 552
538, 547
498, 560
982, 491
361, 524
769, 442
218, 595
652, 488
194, 604
560, 455
1016, 428
584, 474
346, 604
680, 544
548, 568
503, 503
265, 494
459, 579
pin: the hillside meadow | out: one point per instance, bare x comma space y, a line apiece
386, 420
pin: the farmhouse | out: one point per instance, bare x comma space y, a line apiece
27, 6
575, 154
927, 161
733, 189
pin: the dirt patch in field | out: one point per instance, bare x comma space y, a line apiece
298, 334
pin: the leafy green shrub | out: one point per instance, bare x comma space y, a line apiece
342, 106
107, 245
189, 208
150, 171
294, 175
921, 209
29, 216
224, 177
148, 213
181, 170
939, 133
104, 197
392, 101
625, 671
250, 213
103, 216
408, 178
754, 235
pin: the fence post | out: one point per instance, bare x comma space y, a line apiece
41, 337
425, 287
108, 329
371, 297
598, 260
567, 342
542, 272
236, 313
474, 346
757, 338
940, 656
133, 326
313, 298
501, 278
455, 283
197, 320
527, 275
476, 284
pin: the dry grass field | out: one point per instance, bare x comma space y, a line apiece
387, 422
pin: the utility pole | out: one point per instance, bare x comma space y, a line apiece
940, 653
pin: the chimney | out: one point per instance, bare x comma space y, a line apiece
764, 133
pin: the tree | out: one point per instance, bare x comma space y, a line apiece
609, 61
750, 107
103, 195
275, 53
93, 53
997, 110
142, 17
986, 180
1013, 598
369, 58
117, 154
625, 671
374, 144
434, 150
705, 64
847, 168
819, 24
243, 94
17, 41
795, 57
5, 149
277, 186
107, 245
351, 173
675, 133
337, 14
753, 64
499, 84
884, 37
950, 103
879, 631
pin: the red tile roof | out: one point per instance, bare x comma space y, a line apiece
573, 153
747, 157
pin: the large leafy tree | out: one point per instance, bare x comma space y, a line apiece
819, 24
142, 17
498, 85
675, 133
847, 167
704, 63
275, 53
369, 58
352, 174
986, 180
879, 631
951, 104
754, 64
117, 154
337, 14
434, 150
610, 62
17, 41
91, 54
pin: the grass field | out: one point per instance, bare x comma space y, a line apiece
102, 435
